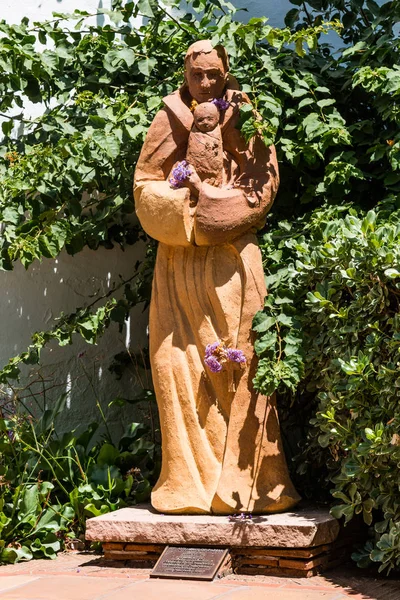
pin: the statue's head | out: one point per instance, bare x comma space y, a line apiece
206, 71
206, 116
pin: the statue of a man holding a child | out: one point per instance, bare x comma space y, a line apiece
203, 192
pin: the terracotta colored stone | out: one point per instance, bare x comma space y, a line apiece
145, 547
124, 555
276, 571
14, 581
143, 525
268, 561
113, 546
256, 593
156, 589
286, 552
304, 565
63, 587
204, 152
221, 443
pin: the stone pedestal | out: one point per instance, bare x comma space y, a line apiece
296, 543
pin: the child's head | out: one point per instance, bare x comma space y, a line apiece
206, 116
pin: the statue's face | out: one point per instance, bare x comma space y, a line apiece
206, 116
205, 77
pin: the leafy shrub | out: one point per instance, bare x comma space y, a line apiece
332, 317
50, 484
328, 334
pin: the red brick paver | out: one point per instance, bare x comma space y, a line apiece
83, 576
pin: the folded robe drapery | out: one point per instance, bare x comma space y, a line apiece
221, 445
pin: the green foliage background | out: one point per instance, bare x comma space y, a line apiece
329, 336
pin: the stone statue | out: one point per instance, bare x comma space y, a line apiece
221, 444
205, 150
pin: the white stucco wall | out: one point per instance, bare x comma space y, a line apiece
30, 300
38, 10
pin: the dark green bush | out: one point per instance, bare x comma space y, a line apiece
50, 484
332, 317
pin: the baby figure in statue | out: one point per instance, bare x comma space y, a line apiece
204, 151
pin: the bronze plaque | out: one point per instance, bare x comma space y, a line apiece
180, 562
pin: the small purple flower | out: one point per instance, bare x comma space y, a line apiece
241, 517
213, 364
217, 354
11, 435
179, 174
174, 183
220, 103
235, 355
210, 348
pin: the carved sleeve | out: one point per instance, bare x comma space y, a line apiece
164, 213
224, 214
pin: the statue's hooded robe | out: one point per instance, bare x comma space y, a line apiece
221, 445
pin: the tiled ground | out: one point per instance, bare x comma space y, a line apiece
76, 576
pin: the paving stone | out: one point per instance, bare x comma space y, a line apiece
157, 589
86, 576
64, 587
14, 581
262, 593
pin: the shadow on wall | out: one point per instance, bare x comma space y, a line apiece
30, 302
100, 18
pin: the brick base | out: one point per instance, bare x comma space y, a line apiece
290, 562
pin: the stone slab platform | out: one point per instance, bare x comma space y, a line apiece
302, 528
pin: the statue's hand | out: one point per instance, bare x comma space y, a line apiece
193, 182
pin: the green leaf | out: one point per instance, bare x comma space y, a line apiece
145, 8
108, 142
326, 102
368, 223
285, 320
7, 127
146, 65
11, 215
30, 500
262, 322
128, 55
108, 455
306, 102
9, 555
392, 273
266, 342
291, 17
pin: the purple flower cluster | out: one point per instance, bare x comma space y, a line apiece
235, 355
211, 348
220, 103
210, 359
241, 517
213, 364
217, 354
179, 174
